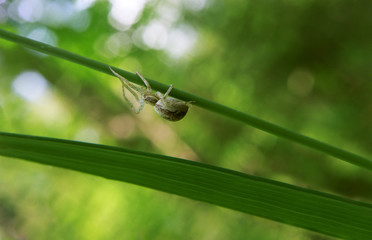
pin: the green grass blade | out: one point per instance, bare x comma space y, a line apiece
281, 202
201, 102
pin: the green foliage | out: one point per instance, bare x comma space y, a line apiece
261, 197
198, 101
303, 65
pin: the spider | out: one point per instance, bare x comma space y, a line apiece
167, 107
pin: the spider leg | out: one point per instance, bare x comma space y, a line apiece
126, 82
142, 104
129, 102
135, 94
144, 81
132, 89
163, 97
168, 91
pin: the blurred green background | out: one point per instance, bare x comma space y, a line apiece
305, 65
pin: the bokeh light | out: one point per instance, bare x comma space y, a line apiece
155, 35
181, 40
30, 11
87, 135
300, 82
124, 14
30, 85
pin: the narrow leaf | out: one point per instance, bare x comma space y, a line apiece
198, 101
323, 213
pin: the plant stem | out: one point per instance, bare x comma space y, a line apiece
198, 101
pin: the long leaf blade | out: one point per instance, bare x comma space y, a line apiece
199, 101
273, 200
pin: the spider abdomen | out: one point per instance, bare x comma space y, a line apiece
171, 109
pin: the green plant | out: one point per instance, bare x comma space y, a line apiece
198, 101
309, 209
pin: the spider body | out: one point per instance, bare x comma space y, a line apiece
168, 108
171, 109
150, 98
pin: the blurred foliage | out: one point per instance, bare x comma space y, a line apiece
304, 65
